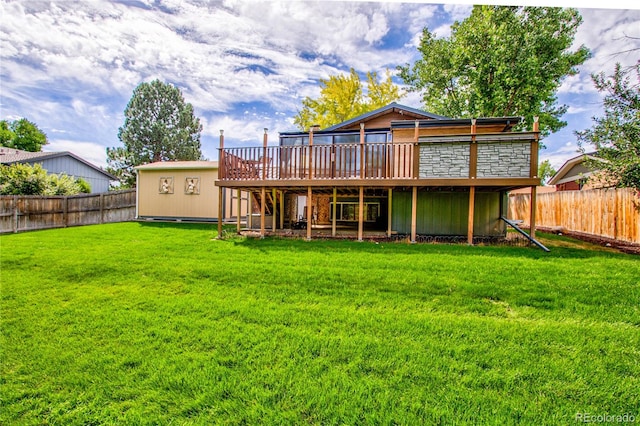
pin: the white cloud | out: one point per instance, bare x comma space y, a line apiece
74, 65
89, 151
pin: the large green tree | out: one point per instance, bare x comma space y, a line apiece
500, 61
22, 134
545, 171
342, 97
616, 135
159, 126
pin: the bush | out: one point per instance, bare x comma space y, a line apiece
26, 179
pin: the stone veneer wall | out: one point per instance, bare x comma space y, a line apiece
503, 159
442, 160
495, 159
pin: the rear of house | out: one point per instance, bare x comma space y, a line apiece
426, 176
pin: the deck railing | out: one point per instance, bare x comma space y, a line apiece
502, 155
336, 161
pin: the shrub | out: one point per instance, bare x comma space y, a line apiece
26, 179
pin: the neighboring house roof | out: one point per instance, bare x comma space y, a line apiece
167, 165
12, 156
411, 113
572, 170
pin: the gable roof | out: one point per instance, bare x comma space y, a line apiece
411, 113
12, 156
573, 169
169, 165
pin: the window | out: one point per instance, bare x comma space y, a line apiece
347, 211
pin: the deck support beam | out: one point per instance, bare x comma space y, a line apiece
532, 212
389, 212
414, 213
309, 212
333, 212
472, 199
220, 189
263, 196
274, 209
361, 213
281, 209
239, 207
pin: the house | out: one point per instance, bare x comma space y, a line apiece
396, 170
576, 175
61, 162
184, 190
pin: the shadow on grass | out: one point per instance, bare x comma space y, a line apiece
561, 246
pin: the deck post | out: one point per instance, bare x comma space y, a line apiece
309, 212
361, 214
389, 211
239, 207
274, 209
263, 196
414, 213
533, 168
363, 162
473, 151
281, 209
310, 154
415, 163
472, 199
222, 172
532, 217
220, 189
249, 210
533, 172
264, 154
333, 211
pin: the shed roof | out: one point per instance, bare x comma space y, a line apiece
12, 156
168, 165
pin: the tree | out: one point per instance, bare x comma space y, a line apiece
159, 126
26, 179
545, 171
22, 134
616, 135
500, 61
342, 97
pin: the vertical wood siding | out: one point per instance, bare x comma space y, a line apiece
446, 213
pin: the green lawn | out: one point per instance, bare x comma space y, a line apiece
147, 323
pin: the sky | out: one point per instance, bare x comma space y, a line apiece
71, 66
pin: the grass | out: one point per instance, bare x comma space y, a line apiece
142, 323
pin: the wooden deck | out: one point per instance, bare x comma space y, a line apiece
505, 160
468, 162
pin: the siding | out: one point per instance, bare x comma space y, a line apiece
72, 167
446, 213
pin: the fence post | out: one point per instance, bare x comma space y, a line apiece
65, 211
101, 207
15, 213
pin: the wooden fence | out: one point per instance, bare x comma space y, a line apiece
30, 212
611, 212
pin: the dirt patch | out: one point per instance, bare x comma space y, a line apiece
623, 246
